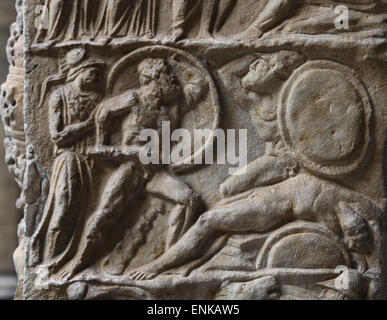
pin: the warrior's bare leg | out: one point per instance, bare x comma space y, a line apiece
251, 215
166, 186
304, 197
117, 262
121, 186
170, 188
176, 222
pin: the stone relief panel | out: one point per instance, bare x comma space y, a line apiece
110, 214
103, 21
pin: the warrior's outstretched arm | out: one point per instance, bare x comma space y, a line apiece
261, 172
111, 109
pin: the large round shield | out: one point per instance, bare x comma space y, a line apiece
203, 115
324, 118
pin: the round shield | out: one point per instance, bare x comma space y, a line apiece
201, 112
298, 245
324, 118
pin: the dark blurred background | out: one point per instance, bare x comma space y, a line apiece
8, 190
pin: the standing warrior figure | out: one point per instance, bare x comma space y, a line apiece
72, 107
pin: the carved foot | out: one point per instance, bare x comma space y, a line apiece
103, 41
115, 269
149, 35
176, 34
68, 273
142, 275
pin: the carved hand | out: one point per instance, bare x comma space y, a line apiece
235, 184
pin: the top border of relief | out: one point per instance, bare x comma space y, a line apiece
295, 41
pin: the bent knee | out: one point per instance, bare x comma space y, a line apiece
208, 221
132, 176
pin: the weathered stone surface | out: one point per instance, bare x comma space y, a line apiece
9, 215
303, 217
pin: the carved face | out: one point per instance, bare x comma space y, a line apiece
259, 77
170, 88
90, 78
155, 74
358, 239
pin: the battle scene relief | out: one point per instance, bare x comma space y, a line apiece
178, 149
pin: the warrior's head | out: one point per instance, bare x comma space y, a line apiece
86, 73
357, 235
266, 75
156, 75
271, 70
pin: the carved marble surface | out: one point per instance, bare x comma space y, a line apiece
307, 214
